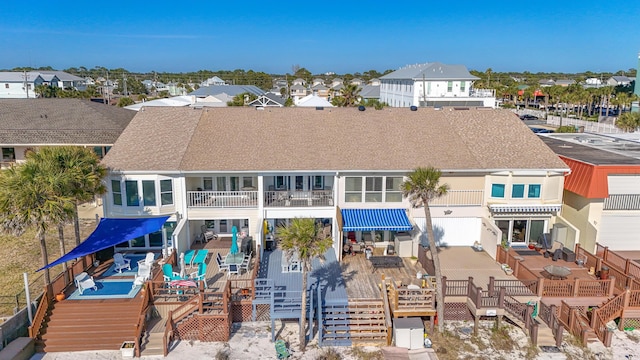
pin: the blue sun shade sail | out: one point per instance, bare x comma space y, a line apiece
111, 232
375, 219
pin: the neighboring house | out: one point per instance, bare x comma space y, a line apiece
593, 82
546, 82
28, 124
619, 81
214, 81
64, 80
320, 90
370, 91
505, 183
433, 84
297, 91
268, 100
183, 101
312, 101
19, 85
565, 82
602, 192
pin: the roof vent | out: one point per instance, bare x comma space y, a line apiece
361, 108
259, 108
413, 108
319, 107
460, 108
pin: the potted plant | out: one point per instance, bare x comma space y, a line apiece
127, 349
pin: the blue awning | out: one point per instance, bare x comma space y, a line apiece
375, 219
112, 232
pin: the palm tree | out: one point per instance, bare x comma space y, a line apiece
31, 197
349, 95
420, 187
302, 238
628, 122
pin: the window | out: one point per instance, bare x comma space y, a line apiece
234, 183
299, 181
247, 181
449, 86
116, 190
429, 88
373, 189
98, 151
138, 242
221, 184
155, 239
207, 183
149, 192
280, 183
517, 191
534, 191
166, 192
497, 190
6, 86
318, 182
393, 193
8, 154
131, 187
353, 189
462, 86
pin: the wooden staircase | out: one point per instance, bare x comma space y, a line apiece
77, 325
360, 322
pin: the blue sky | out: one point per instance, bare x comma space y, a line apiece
339, 36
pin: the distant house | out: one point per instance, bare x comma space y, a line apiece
214, 81
312, 101
28, 124
371, 91
565, 82
231, 90
546, 82
299, 89
18, 85
619, 81
268, 100
433, 84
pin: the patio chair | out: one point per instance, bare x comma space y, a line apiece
218, 256
148, 260
144, 271
168, 274
282, 351
188, 257
84, 281
121, 262
222, 265
200, 275
233, 269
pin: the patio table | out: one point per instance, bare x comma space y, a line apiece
234, 259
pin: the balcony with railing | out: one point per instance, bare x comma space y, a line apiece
460, 198
316, 198
222, 199
483, 93
622, 202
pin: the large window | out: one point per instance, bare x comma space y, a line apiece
131, 188
534, 191
116, 190
497, 190
353, 189
221, 183
152, 240
166, 192
517, 191
462, 86
318, 182
8, 154
449, 86
393, 192
373, 189
207, 183
149, 192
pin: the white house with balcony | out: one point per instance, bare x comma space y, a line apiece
224, 167
434, 85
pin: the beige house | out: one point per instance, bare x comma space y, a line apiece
255, 170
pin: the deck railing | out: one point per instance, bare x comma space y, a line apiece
460, 198
575, 321
514, 287
387, 312
222, 199
296, 198
622, 202
142, 316
412, 299
455, 287
38, 317
577, 288
549, 315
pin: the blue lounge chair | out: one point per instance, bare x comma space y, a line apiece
188, 257
200, 257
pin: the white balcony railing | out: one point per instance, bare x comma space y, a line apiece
298, 198
483, 93
622, 202
222, 199
460, 198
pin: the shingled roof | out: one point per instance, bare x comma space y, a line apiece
60, 121
338, 139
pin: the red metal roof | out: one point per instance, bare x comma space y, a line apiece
590, 180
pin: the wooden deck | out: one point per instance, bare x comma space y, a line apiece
362, 282
461, 262
216, 279
535, 262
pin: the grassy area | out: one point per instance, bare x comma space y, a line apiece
22, 254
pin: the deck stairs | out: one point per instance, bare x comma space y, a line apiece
77, 325
152, 343
356, 322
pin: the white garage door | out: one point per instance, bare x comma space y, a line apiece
620, 231
453, 231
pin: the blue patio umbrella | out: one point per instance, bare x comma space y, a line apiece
234, 240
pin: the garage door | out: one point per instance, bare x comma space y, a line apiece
620, 231
453, 231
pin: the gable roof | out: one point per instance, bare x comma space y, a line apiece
61, 75
60, 121
268, 99
313, 101
393, 139
431, 71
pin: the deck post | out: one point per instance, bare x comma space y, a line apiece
319, 311
501, 296
444, 286
576, 284
516, 268
626, 266
605, 253
612, 285
540, 287
491, 287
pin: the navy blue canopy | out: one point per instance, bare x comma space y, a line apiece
112, 232
375, 219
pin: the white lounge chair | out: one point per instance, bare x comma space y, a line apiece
84, 281
121, 262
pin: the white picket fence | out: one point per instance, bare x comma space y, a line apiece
589, 126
